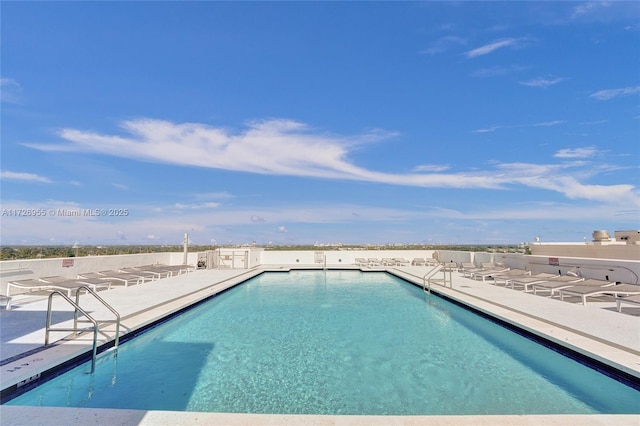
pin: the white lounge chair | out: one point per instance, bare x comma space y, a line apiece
552, 286
114, 277
488, 273
418, 261
526, 281
631, 300
504, 277
614, 290
69, 286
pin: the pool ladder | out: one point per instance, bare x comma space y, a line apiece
430, 277
75, 329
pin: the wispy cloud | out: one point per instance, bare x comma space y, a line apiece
195, 206
586, 152
546, 123
283, 147
493, 46
434, 168
605, 95
443, 44
10, 90
589, 8
488, 129
29, 177
516, 126
542, 82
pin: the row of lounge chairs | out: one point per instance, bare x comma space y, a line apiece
396, 261
97, 280
564, 285
385, 261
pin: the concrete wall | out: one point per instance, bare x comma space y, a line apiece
335, 258
70, 267
588, 250
624, 271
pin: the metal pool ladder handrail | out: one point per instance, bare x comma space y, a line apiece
426, 279
75, 328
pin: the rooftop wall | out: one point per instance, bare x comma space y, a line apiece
72, 266
590, 250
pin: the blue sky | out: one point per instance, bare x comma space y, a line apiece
305, 122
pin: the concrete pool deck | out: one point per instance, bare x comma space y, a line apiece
596, 330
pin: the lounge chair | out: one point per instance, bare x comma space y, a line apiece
552, 286
387, 261
526, 281
418, 261
146, 274
487, 273
69, 286
114, 277
401, 261
361, 261
504, 277
614, 290
631, 300
468, 272
373, 261
174, 269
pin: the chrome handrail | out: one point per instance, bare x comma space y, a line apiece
75, 328
429, 274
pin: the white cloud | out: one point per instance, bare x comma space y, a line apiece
282, 229
546, 123
605, 95
515, 126
542, 82
589, 8
431, 168
283, 147
195, 206
443, 44
488, 129
10, 90
493, 46
586, 152
31, 177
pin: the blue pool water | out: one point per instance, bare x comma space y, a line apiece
335, 342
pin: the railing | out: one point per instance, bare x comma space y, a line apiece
426, 279
75, 329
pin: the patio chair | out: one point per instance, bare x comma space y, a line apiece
69, 286
614, 290
504, 277
552, 286
631, 300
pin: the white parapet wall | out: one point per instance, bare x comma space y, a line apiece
336, 258
70, 267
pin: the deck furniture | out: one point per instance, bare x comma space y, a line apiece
630, 300
554, 285
613, 290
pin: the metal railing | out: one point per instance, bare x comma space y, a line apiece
75, 329
426, 279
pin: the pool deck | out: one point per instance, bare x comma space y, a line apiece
596, 330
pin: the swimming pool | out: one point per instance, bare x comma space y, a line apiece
335, 342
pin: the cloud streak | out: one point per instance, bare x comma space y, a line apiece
288, 148
605, 95
20, 176
493, 46
542, 82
